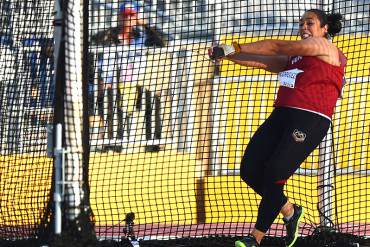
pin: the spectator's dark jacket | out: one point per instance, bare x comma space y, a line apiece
153, 37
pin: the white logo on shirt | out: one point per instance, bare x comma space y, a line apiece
296, 59
287, 78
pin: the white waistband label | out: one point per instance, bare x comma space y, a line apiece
287, 78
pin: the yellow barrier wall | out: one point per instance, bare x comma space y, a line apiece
157, 187
353, 193
228, 199
161, 187
25, 183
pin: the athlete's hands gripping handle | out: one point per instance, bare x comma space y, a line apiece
221, 51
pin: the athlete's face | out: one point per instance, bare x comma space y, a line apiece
310, 26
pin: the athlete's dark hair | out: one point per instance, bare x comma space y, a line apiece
333, 21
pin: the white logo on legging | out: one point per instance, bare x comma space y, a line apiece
298, 136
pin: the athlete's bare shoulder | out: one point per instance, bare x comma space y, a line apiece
328, 51
334, 57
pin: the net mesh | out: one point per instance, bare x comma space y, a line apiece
168, 127
26, 91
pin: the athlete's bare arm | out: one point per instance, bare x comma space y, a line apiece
315, 46
273, 64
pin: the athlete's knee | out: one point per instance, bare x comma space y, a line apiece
252, 178
247, 174
273, 185
275, 175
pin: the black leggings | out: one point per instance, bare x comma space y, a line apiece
275, 152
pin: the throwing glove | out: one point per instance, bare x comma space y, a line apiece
221, 51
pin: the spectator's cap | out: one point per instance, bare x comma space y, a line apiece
129, 7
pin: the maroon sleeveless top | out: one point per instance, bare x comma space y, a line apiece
311, 84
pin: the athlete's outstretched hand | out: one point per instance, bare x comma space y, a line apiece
221, 51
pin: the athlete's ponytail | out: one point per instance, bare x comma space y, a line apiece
332, 20
334, 24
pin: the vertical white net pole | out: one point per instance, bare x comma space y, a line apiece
73, 108
58, 190
326, 175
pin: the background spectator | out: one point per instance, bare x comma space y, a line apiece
116, 81
131, 30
